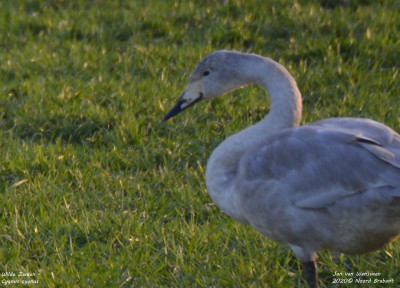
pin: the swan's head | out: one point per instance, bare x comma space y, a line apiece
216, 74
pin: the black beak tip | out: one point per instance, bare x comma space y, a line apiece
166, 117
178, 107
175, 110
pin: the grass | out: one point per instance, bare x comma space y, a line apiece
96, 191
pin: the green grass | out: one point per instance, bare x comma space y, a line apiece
96, 191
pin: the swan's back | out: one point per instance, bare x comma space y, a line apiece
305, 185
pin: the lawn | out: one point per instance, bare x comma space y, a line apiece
97, 191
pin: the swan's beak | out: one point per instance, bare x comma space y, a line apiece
191, 96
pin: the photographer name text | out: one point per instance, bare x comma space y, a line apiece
360, 278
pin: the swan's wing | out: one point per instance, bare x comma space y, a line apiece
369, 132
326, 161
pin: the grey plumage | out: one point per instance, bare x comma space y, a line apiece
323, 178
330, 184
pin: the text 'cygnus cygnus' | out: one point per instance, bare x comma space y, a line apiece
331, 184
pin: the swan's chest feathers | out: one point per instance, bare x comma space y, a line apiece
220, 186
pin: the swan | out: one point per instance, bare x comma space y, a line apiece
332, 184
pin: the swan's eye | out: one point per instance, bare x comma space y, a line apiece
205, 73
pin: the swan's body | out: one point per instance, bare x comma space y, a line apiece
331, 184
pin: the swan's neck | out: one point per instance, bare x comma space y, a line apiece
285, 112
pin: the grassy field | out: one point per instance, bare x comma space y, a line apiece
96, 191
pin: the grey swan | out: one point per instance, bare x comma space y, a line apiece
332, 184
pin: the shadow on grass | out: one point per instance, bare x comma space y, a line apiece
76, 130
